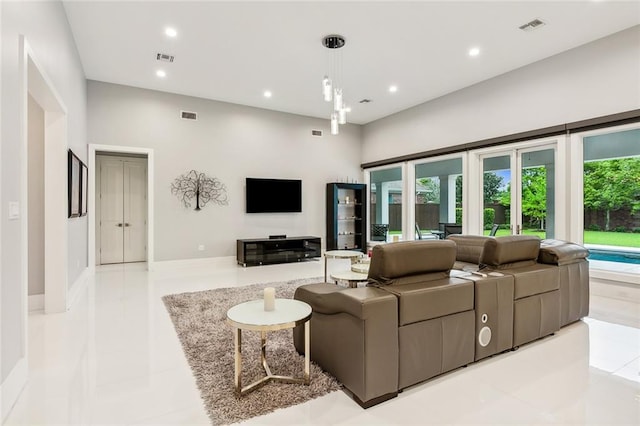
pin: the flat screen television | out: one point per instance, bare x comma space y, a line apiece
274, 195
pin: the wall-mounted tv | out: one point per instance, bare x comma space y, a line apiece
274, 195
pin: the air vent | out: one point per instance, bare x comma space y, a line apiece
529, 26
187, 115
365, 101
316, 133
165, 57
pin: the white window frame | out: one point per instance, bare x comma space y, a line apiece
576, 197
411, 188
475, 189
405, 177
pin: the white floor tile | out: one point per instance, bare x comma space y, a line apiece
114, 358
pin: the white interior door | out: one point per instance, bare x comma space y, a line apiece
135, 211
111, 211
123, 210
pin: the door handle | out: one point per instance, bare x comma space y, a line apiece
119, 225
518, 230
127, 224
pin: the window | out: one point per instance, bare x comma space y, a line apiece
438, 198
385, 198
611, 196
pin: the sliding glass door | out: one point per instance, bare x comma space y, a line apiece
518, 192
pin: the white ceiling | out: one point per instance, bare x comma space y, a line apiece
234, 51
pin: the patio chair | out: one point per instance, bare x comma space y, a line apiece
379, 231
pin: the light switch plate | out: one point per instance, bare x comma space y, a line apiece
14, 210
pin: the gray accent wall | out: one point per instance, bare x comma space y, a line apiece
597, 79
46, 29
231, 142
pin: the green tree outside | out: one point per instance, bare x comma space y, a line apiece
612, 185
432, 187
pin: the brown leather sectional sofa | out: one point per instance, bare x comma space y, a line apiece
417, 318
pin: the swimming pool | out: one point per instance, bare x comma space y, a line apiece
615, 256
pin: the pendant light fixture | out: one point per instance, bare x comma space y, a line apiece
332, 85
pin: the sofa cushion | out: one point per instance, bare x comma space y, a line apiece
422, 301
468, 247
533, 279
558, 252
389, 262
510, 251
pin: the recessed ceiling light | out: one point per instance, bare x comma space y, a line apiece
393, 89
348, 109
474, 51
267, 93
170, 32
161, 73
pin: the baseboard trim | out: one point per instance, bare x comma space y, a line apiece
36, 302
621, 277
78, 285
615, 290
165, 265
12, 387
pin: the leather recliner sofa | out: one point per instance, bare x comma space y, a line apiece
415, 320
508, 254
412, 323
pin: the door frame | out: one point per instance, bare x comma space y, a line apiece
93, 150
562, 203
35, 81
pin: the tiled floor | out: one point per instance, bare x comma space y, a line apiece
115, 359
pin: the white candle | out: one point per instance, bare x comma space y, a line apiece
269, 299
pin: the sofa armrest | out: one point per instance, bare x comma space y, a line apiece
354, 336
363, 303
558, 252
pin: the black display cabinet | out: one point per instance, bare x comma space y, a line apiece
347, 216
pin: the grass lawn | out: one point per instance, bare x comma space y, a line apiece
612, 238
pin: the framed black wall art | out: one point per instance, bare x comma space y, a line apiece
84, 192
74, 171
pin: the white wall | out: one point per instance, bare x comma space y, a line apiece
35, 149
600, 78
45, 27
230, 142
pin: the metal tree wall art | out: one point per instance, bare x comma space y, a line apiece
201, 187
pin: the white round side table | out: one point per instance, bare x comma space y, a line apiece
288, 313
341, 254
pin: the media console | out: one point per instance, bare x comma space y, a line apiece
262, 251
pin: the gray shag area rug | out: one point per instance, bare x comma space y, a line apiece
200, 320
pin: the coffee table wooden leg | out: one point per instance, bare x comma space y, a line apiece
237, 341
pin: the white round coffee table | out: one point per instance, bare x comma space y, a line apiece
341, 254
251, 315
